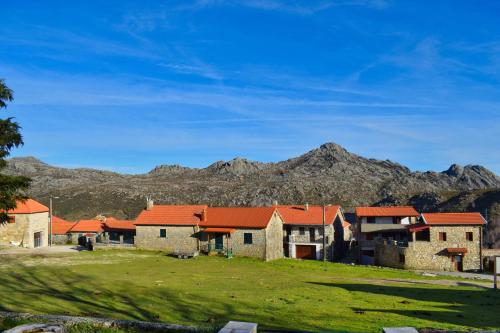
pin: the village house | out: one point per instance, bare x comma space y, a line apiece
28, 225
251, 232
117, 231
171, 228
85, 230
440, 241
389, 223
60, 230
243, 231
303, 231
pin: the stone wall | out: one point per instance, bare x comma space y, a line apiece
23, 229
433, 255
274, 238
61, 239
179, 238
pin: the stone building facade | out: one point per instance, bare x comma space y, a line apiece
303, 231
248, 232
255, 232
389, 223
450, 246
28, 227
174, 238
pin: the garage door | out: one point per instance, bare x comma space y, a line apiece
305, 251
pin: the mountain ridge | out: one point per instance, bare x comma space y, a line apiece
327, 174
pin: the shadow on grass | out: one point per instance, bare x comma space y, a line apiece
62, 291
466, 307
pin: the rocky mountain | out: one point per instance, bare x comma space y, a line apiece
324, 175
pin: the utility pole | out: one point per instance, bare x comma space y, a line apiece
50, 218
324, 233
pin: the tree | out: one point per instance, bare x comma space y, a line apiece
11, 187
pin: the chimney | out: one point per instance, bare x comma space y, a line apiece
275, 202
204, 215
149, 203
306, 206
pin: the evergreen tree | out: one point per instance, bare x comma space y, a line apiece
11, 187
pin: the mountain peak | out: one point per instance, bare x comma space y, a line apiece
236, 166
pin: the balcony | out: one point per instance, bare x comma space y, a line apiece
373, 227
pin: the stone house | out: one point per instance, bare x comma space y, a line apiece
118, 231
303, 231
440, 241
389, 223
173, 228
251, 232
90, 229
60, 230
243, 231
28, 225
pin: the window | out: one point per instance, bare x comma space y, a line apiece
302, 231
12, 219
163, 233
247, 238
396, 220
369, 236
442, 236
370, 219
469, 236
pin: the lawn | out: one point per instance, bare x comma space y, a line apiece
208, 291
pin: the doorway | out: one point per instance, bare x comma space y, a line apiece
458, 263
37, 239
219, 242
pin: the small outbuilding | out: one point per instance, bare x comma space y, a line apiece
28, 225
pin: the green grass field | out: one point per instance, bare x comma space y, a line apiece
208, 291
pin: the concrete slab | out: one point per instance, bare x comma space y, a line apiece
399, 330
239, 327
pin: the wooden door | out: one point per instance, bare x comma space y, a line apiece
305, 251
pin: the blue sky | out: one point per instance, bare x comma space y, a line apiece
127, 85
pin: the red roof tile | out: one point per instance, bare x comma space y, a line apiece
28, 206
171, 215
297, 214
386, 211
61, 226
88, 226
238, 217
453, 218
115, 224
220, 230
456, 250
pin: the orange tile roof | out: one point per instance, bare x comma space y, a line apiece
88, 226
297, 214
238, 217
220, 230
28, 206
453, 218
61, 226
115, 224
171, 215
456, 250
386, 211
